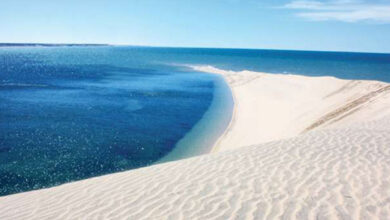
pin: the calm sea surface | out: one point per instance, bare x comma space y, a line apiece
70, 113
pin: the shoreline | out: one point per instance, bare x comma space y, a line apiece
207, 131
215, 147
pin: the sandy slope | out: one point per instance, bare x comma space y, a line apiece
324, 174
273, 106
335, 169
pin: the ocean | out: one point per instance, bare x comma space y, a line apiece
71, 113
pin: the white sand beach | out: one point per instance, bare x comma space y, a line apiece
297, 148
271, 107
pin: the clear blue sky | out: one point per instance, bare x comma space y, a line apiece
336, 25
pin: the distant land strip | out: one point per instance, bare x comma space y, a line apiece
48, 45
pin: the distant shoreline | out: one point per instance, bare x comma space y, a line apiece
49, 45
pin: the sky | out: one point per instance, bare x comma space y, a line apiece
331, 25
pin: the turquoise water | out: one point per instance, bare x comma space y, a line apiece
70, 113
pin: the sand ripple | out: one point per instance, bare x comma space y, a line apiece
340, 173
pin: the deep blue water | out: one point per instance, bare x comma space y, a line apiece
69, 113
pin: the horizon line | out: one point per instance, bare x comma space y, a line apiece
5, 44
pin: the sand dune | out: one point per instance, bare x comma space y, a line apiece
324, 174
335, 166
271, 107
